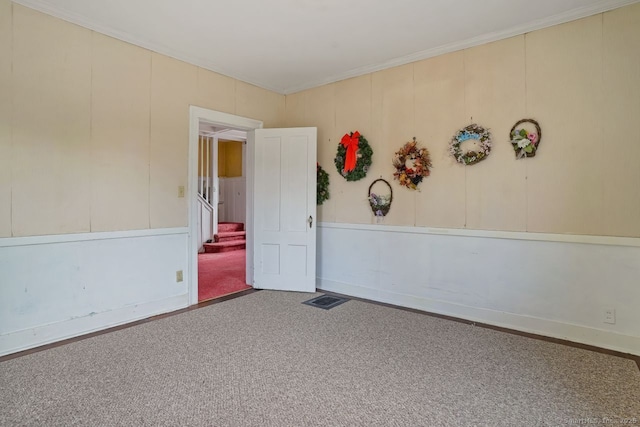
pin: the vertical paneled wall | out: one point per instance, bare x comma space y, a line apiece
121, 82
6, 30
94, 131
620, 114
51, 129
581, 80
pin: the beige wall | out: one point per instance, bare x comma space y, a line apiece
94, 131
581, 80
5, 118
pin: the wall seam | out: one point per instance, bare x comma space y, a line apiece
526, 113
11, 73
372, 119
91, 181
149, 146
413, 93
464, 109
235, 96
602, 121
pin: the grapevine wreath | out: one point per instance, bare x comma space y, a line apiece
322, 178
482, 135
525, 142
353, 158
380, 204
411, 175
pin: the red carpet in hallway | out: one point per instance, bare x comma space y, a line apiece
221, 274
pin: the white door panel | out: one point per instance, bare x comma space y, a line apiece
284, 201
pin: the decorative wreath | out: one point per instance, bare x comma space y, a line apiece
322, 179
525, 142
411, 176
482, 135
380, 205
353, 158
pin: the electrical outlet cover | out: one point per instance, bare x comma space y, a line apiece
610, 316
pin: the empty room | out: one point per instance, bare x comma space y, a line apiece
319, 213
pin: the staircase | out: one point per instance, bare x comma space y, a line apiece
231, 237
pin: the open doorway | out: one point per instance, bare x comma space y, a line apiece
222, 211
220, 200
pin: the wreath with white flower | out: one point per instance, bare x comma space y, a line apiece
411, 175
353, 158
483, 144
525, 142
322, 180
380, 204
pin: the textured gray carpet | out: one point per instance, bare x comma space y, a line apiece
267, 360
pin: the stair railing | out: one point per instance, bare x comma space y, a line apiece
205, 180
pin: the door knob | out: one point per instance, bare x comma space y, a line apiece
310, 221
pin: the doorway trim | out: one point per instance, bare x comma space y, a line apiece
196, 115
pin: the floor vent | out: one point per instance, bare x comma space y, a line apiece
325, 301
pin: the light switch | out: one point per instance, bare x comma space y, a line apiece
181, 191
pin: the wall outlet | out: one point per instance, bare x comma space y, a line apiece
181, 191
609, 315
179, 277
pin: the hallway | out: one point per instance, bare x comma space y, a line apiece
221, 274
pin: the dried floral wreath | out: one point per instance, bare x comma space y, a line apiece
353, 158
411, 175
482, 135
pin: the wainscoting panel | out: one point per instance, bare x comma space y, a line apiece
233, 195
57, 287
553, 285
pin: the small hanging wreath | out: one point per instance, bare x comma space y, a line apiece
525, 142
380, 205
322, 179
482, 135
353, 158
410, 176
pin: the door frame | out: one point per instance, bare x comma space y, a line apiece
196, 115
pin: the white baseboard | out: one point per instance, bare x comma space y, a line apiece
41, 335
549, 328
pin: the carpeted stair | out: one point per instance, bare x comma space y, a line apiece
231, 237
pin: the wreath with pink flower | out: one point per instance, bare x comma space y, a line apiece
412, 165
524, 140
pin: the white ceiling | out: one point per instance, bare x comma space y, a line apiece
291, 45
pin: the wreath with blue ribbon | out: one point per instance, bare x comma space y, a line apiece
471, 132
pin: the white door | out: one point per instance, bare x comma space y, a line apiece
284, 209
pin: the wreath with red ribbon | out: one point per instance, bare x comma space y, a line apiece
353, 158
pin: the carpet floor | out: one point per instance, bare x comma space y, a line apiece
221, 274
265, 359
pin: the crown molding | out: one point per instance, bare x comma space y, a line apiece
570, 15
46, 8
